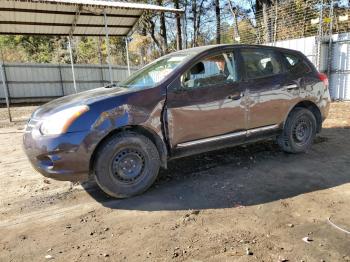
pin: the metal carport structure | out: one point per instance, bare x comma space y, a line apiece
72, 18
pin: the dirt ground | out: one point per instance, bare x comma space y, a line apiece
218, 206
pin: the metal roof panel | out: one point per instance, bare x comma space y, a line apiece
56, 17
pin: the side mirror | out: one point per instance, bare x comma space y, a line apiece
182, 80
186, 82
178, 86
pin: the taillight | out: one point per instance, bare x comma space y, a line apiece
324, 79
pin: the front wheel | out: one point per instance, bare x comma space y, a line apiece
299, 131
127, 164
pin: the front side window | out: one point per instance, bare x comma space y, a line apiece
154, 73
296, 65
260, 63
213, 70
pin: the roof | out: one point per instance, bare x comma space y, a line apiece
199, 49
56, 17
217, 47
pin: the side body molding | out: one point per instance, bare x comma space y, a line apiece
228, 136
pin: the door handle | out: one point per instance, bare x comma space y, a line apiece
236, 96
292, 86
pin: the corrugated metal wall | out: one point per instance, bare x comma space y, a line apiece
307, 45
26, 82
340, 69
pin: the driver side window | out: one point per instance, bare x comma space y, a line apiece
213, 70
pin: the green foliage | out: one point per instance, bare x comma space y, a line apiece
87, 50
28, 48
47, 49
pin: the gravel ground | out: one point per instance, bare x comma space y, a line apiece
249, 203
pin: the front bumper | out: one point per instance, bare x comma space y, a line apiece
62, 157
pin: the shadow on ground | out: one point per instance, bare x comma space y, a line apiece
245, 175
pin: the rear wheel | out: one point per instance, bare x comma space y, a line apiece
299, 131
127, 164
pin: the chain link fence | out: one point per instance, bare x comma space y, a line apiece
318, 28
283, 20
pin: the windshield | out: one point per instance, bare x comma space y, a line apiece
155, 72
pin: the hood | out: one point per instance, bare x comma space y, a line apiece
83, 98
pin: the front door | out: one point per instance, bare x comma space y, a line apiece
206, 101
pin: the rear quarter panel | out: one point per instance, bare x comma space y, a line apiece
312, 90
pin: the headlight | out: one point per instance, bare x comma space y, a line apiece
59, 122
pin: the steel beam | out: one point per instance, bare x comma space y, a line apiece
62, 34
127, 54
108, 50
71, 31
72, 63
330, 34
54, 12
60, 24
4, 84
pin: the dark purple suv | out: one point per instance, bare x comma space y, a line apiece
184, 103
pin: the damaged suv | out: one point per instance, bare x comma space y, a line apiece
184, 103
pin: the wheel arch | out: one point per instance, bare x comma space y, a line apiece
313, 108
158, 142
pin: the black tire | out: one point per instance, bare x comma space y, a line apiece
127, 164
299, 131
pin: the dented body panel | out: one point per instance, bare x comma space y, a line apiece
67, 156
194, 115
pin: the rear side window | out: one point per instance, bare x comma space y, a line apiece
260, 63
296, 65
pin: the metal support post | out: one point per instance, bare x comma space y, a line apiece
4, 84
127, 54
99, 41
108, 50
72, 63
320, 35
330, 42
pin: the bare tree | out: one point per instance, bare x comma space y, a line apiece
197, 12
218, 20
194, 12
162, 31
264, 5
234, 13
150, 25
185, 4
178, 27
143, 33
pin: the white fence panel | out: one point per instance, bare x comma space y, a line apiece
307, 45
31, 80
340, 70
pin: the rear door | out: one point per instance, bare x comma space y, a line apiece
270, 90
206, 100
299, 71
